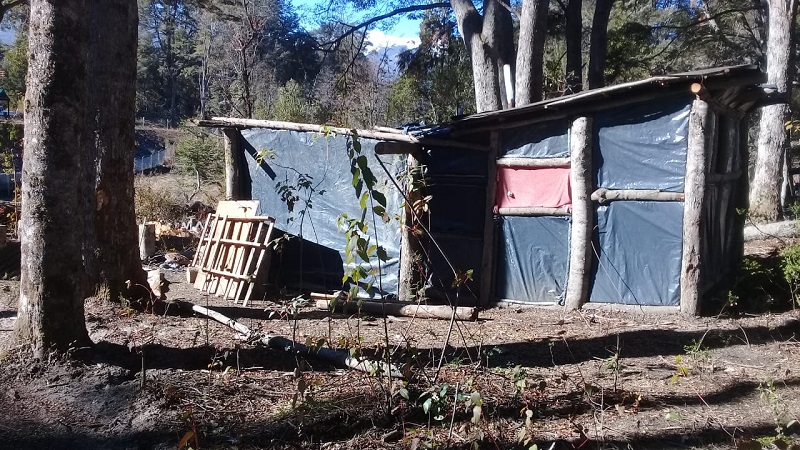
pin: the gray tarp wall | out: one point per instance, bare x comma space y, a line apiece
640, 243
637, 245
279, 162
532, 253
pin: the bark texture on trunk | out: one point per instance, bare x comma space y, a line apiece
112, 106
51, 313
772, 134
574, 38
481, 41
598, 46
530, 52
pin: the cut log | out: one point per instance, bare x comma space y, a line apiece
376, 308
338, 357
147, 240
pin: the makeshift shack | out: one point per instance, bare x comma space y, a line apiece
630, 194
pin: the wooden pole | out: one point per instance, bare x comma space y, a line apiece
410, 253
533, 162
533, 211
377, 308
338, 357
229, 122
233, 164
487, 262
700, 142
581, 176
604, 195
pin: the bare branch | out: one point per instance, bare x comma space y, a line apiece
406, 9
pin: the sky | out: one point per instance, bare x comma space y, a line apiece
400, 31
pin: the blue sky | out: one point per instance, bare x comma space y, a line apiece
399, 30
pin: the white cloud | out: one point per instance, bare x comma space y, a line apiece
379, 40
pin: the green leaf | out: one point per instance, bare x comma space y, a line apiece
403, 393
363, 200
426, 406
379, 198
381, 253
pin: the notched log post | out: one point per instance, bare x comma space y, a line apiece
700, 142
580, 252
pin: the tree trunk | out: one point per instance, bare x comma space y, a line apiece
772, 134
480, 40
112, 106
574, 38
598, 47
51, 314
530, 52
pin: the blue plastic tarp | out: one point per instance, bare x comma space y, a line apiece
542, 140
532, 259
304, 181
639, 246
642, 146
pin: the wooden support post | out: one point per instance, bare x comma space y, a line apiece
234, 163
410, 253
700, 141
580, 252
487, 262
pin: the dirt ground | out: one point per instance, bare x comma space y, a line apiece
598, 379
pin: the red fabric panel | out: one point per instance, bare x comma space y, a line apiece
524, 187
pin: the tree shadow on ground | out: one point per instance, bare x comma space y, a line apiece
627, 344
158, 356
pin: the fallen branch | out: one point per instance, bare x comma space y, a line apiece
398, 309
338, 357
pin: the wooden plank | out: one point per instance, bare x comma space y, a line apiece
259, 242
508, 161
262, 264
581, 183
700, 142
533, 211
487, 258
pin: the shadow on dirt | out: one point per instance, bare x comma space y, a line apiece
632, 344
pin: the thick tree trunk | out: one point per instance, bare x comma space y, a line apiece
480, 40
530, 52
51, 314
574, 38
772, 134
598, 45
112, 103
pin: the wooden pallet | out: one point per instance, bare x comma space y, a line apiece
232, 255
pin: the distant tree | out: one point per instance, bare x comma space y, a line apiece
15, 64
440, 70
201, 155
168, 63
291, 104
51, 313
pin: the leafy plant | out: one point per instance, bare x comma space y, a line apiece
790, 266
201, 155
356, 230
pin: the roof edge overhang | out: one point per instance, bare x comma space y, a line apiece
712, 80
